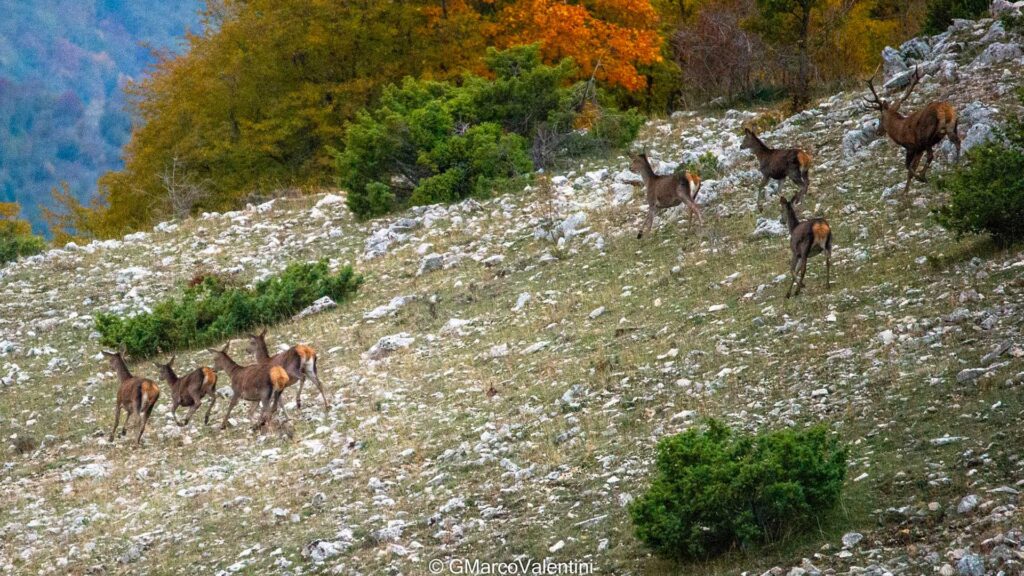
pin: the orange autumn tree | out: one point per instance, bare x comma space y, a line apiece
608, 39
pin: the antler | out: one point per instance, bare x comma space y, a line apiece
876, 101
913, 83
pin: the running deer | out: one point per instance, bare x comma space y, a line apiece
261, 383
137, 396
918, 132
665, 191
806, 239
298, 361
778, 164
190, 390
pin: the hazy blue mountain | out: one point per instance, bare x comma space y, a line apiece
63, 64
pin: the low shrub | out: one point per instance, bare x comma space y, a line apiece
428, 142
706, 166
986, 193
213, 310
939, 14
714, 489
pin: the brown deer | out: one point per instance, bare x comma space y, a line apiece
298, 361
664, 191
261, 383
137, 396
778, 164
919, 132
806, 239
190, 390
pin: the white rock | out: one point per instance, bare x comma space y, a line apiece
389, 344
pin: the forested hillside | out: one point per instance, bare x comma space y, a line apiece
268, 91
63, 67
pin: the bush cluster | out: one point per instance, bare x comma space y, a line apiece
939, 14
428, 142
213, 310
986, 194
714, 489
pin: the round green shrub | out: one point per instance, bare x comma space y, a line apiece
986, 194
714, 489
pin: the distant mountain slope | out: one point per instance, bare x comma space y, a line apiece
63, 64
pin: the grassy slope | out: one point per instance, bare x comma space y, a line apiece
888, 401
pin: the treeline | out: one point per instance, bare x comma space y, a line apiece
63, 114
269, 92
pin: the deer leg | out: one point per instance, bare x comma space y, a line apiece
117, 420
142, 427
127, 419
761, 193
792, 273
913, 158
803, 272
319, 385
648, 222
928, 157
803, 181
828, 269
234, 400
213, 400
694, 208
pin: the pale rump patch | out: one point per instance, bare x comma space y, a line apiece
804, 159
694, 181
820, 230
209, 376
278, 378
305, 352
150, 393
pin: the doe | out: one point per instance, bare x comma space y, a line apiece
137, 396
806, 239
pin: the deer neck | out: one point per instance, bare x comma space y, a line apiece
121, 368
261, 352
791, 218
646, 172
760, 149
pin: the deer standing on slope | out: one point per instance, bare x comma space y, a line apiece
778, 164
261, 383
137, 396
190, 390
298, 361
919, 132
665, 191
806, 239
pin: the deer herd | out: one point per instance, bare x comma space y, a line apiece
263, 381
918, 133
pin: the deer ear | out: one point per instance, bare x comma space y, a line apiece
213, 351
171, 361
263, 333
123, 348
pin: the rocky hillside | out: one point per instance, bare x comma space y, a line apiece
499, 383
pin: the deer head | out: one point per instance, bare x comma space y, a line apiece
884, 106
750, 140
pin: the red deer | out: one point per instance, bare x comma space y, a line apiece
190, 390
137, 396
806, 239
665, 191
298, 361
261, 383
778, 164
919, 132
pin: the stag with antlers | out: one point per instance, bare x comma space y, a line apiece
919, 132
